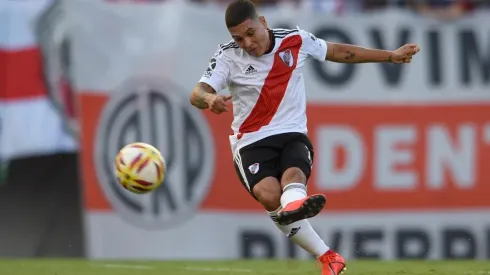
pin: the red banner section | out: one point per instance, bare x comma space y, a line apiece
366, 157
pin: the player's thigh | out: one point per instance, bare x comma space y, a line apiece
253, 164
297, 153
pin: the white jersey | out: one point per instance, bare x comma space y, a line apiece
268, 92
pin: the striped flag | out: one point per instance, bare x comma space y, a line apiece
31, 121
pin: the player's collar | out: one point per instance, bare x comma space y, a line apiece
272, 41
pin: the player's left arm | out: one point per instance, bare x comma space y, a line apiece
346, 53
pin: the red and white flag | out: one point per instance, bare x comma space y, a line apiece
30, 119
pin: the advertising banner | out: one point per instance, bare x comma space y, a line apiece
400, 150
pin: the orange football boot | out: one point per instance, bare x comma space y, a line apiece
332, 263
301, 209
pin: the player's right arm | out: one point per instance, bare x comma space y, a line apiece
214, 79
202, 95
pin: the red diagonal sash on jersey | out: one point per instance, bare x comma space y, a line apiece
274, 88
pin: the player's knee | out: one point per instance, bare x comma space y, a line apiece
270, 200
268, 193
293, 175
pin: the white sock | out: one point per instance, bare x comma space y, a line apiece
302, 234
293, 192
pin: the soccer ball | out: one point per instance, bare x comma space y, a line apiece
140, 167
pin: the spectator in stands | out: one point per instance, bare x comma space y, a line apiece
332, 6
224, 3
266, 3
442, 9
439, 9
374, 4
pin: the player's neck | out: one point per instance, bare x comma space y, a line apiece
272, 42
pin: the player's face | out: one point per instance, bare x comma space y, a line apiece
252, 36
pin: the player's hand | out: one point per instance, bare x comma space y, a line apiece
218, 103
404, 54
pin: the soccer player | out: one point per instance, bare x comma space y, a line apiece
272, 153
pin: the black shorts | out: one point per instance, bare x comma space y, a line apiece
271, 156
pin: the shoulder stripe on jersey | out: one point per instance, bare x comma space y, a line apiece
229, 45
280, 33
284, 30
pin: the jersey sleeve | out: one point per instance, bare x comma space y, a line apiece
218, 72
314, 47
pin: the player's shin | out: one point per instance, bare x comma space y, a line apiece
302, 234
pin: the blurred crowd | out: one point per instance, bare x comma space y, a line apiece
440, 9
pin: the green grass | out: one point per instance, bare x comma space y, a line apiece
83, 267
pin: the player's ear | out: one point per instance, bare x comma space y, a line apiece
263, 21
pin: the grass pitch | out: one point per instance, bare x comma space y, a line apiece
85, 267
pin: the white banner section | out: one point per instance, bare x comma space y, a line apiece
388, 236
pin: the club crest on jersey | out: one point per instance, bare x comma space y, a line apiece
287, 57
254, 168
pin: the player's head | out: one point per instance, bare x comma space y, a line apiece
248, 29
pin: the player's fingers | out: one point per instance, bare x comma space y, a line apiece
215, 106
221, 107
414, 48
220, 102
224, 105
228, 97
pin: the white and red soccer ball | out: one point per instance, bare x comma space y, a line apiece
140, 167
